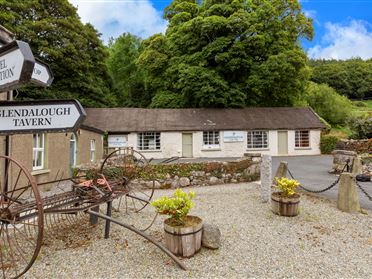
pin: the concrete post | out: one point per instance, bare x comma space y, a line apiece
348, 198
356, 168
281, 171
266, 178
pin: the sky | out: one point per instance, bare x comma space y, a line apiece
343, 28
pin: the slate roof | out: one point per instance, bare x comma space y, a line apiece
125, 120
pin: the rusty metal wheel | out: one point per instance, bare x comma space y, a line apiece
129, 166
21, 219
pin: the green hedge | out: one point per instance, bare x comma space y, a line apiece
328, 144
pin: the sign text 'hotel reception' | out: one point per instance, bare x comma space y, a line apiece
40, 116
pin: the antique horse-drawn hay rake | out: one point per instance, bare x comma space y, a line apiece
24, 211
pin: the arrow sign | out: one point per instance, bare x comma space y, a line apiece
42, 74
16, 65
40, 116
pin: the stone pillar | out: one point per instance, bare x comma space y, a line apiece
281, 171
356, 168
266, 178
348, 198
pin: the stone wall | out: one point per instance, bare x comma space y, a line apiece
165, 176
212, 173
358, 146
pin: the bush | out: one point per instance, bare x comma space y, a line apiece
328, 144
330, 105
361, 128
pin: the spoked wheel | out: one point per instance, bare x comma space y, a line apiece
131, 167
21, 219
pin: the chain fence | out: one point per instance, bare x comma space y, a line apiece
347, 167
333, 184
363, 190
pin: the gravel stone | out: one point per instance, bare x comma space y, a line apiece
321, 242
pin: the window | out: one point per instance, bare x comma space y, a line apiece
302, 139
38, 151
92, 150
148, 141
211, 139
257, 140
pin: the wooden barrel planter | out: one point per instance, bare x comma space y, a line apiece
184, 241
285, 206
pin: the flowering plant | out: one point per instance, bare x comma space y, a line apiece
287, 186
177, 206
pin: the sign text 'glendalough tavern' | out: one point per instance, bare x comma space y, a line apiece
40, 116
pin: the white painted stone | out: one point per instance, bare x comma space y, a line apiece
213, 180
266, 178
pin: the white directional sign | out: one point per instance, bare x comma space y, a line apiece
40, 116
16, 65
41, 75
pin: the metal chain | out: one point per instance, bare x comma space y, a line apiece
325, 189
364, 191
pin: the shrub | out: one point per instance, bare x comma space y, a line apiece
361, 128
330, 105
287, 186
328, 143
177, 206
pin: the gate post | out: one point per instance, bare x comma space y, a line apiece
266, 178
348, 198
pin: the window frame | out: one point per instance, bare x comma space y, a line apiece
38, 149
255, 145
211, 139
92, 150
299, 138
149, 141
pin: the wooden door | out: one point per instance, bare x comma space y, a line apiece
187, 145
282, 142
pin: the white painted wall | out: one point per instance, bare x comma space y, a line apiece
171, 145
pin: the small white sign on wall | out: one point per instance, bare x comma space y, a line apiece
233, 136
117, 141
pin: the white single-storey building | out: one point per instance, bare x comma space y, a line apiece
164, 133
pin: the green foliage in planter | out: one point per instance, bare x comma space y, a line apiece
177, 207
328, 143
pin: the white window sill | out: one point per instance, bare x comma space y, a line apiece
258, 149
211, 149
148, 151
303, 148
38, 172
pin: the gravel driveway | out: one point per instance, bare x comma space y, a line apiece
320, 242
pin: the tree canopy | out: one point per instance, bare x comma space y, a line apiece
352, 78
227, 53
73, 50
128, 78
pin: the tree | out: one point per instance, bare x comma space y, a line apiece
352, 78
128, 78
73, 50
333, 107
225, 53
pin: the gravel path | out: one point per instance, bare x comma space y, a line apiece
320, 242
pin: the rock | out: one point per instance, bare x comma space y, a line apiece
198, 173
184, 181
175, 184
234, 181
211, 237
213, 180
